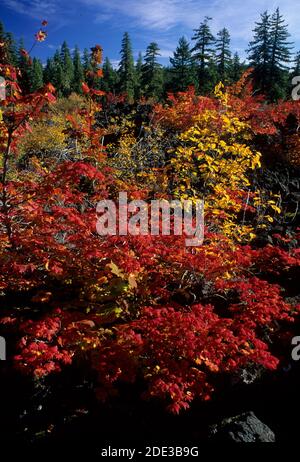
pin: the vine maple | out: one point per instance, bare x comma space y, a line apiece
141, 307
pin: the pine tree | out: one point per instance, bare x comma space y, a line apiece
126, 69
49, 71
223, 53
280, 47
280, 56
9, 49
259, 52
203, 52
269, 54
182, 66
68, 69
87, 65
36, 75
4, 54
58, 78
2, 32
110, 77
78, 75
24, 66
294, 72
296, 67
138, 89
152, 76
12, 52
236, 68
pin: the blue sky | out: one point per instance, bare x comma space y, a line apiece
87, 22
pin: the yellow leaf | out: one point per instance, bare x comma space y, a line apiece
116, 270
132, 281
276, 208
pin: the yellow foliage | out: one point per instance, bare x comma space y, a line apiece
47, 135
213, 163
137, 159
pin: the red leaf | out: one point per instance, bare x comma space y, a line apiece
85, 88
98, 92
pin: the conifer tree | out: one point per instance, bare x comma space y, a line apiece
87, 65
203, 52
4, 54
58, 79
182, 66
2, 32
280, 56
78, 75
49, 70
24, 66
269, 54
259, 52
236, 68
223, 53
12, 52
126, 69
68, 69
110, 77
280, 47
138, 89
36, 75
152, 76
296, 67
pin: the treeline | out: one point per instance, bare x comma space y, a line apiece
204, 62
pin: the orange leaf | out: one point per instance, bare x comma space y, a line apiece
85, 88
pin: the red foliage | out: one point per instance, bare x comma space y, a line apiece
176, 350
164, 335
264, 119
181, 109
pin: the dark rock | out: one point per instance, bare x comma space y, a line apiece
244, 428
248, 375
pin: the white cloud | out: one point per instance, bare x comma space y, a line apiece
53, 11
115, 63
164, 21
164, 15
35, 8
166, 53
103, 17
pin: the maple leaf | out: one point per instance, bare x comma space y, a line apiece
132, 281
98, 92
42, 297
41, 35
8, 320
115, 270
85, 88
24, 53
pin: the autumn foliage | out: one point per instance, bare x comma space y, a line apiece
143, 307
